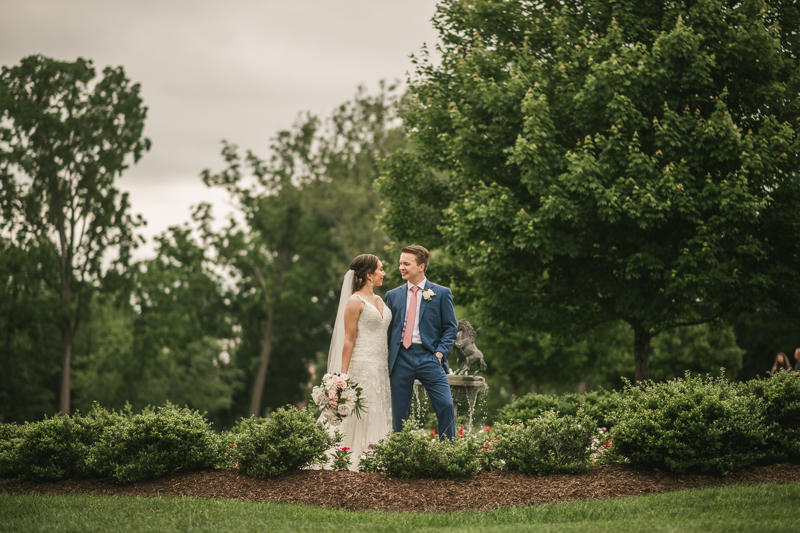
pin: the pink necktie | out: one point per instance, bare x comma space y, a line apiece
410, 316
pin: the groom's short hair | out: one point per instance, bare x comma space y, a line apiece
420, 252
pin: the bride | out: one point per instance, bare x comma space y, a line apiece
359, 349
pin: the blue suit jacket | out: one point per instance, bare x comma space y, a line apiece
438, 328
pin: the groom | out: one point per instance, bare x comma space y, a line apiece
421, 335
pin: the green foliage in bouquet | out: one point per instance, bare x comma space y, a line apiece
691, 424
415, 453
549, 444
598, 404
288, 441
153, 444
781, 395
10, 437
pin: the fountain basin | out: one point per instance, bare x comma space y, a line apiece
462, 389
465, 388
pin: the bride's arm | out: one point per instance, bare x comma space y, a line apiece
351, 314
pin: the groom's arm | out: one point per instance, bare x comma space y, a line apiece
449, 324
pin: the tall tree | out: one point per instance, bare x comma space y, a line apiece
304, 213
167, 335
65, 137
29, 344
616, 161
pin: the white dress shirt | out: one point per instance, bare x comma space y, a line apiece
415, 338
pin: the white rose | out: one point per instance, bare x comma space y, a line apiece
345, 409
349, 394
331, 386
326, 377
334, 422
319, 395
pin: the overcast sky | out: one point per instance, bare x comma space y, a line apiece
210, 70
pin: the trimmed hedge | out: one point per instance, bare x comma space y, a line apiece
781, 396
548, 444
416, 453
691, 425
58, 447
599, 405
286, 442
154, 444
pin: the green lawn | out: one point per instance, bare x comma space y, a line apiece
746, 509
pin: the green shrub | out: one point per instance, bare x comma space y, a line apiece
598, 404
58, 448
289, 440
368, 461
548, 444
10, 437
781, 395
601, 405
690, 425
532, 406
161, 442
416, 453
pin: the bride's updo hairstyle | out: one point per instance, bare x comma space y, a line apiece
361, 266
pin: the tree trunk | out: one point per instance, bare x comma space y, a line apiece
535, 381
66, 363
67, 331
514, 386
261, 375
641, 353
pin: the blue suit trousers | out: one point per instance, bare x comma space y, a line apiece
413, 363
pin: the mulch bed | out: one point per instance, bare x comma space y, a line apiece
355, 490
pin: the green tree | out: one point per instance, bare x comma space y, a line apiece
29, 344
65, 137
163, 334
304, 213
600, 161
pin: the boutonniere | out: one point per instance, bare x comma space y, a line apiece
428, 294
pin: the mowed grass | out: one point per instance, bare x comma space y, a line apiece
752, 509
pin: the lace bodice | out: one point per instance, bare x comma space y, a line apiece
369, 366
371, 338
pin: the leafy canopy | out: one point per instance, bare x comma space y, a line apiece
607, 161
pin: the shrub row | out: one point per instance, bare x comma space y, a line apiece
691, 424
156, 443
549, 444
687, 425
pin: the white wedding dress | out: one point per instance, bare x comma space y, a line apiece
369, 367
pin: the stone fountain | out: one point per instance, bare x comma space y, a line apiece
463, 387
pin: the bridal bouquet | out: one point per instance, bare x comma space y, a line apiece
338, 397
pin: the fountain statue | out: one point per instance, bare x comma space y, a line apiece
463, 387
465, 349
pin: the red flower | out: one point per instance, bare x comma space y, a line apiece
345, 448
488, 428
494, 438
433, 432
